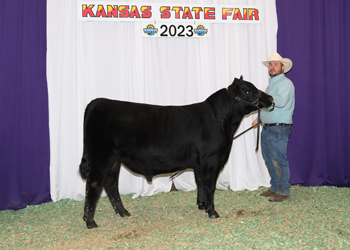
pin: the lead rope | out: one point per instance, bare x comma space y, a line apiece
256, 149
258, 131
258, 135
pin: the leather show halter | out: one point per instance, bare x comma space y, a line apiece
255, 103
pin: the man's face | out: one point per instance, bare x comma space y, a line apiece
275, 68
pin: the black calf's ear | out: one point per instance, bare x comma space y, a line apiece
234, 81
241, 78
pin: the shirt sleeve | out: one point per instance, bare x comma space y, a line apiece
283, 94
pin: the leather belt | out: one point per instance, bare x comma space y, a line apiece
275, 124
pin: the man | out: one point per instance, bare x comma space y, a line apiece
277, 122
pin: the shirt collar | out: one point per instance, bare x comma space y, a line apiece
276, 78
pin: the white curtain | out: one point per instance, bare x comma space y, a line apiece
86, 60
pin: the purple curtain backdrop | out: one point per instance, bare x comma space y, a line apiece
24, 131
315, 35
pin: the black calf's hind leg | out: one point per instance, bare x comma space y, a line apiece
93, 192
111, 187
200, 193
210, 178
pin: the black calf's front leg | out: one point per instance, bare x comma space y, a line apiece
111, 187
211, 208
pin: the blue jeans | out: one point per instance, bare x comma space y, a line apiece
274, 141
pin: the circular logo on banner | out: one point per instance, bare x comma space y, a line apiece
150, 30
200, 30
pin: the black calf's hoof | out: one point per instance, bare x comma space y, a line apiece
201, 207
213, 215
91, 224
124, 214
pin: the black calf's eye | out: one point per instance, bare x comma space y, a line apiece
247, 92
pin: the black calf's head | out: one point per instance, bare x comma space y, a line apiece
246, 92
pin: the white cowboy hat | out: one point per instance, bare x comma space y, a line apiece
275, 57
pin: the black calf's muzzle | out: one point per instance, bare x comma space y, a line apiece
268, 101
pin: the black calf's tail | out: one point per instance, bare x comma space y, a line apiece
84, 167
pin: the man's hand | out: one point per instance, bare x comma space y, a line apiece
255, 123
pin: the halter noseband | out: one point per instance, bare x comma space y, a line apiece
255, 103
